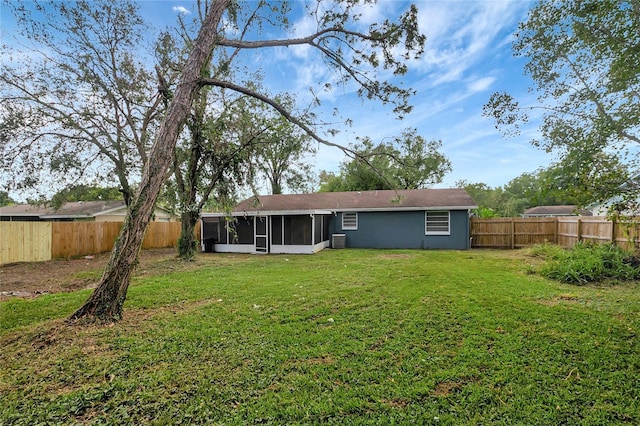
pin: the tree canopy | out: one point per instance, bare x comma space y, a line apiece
282, 153
5, 200
550, 186
584, 59
85, 193
79, 102
407, 161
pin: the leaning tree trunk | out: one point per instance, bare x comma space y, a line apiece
105, 304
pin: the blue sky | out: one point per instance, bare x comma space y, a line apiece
468, 56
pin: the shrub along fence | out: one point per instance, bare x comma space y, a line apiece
39, 241
517, 232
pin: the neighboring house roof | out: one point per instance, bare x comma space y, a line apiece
381, 200
73, 210
22, 210
546, 211
70, 211
627, 191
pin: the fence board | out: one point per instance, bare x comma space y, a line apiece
25, 242
85, 238
110, 231
161, 234
564, 231
76, 239
491, 232
627, 235
38, 241
533, 231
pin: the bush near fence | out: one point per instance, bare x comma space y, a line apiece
40, 241
518, 232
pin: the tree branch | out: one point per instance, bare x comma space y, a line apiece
283, 111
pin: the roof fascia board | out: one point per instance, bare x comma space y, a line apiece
108, 211
124, 208
299, 212
66, 216
393, 209
268, 213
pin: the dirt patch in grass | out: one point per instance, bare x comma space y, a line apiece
396, 403
64, 275
561, 298
445, 389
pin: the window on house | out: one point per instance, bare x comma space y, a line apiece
437, 223
350, 220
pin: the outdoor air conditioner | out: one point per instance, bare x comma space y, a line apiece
338, 241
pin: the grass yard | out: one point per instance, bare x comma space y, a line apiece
340, 337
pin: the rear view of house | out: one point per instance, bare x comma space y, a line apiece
308, 223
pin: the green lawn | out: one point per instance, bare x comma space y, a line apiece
340, 337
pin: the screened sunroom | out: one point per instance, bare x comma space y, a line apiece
292, 232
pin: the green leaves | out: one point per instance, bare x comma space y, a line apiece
586, 263
583, 57
407, 162
506, 112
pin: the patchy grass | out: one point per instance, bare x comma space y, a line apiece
348, 336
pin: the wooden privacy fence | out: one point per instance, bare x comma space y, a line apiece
39, 241
25, 241
517, 232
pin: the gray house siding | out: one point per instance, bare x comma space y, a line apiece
403, 230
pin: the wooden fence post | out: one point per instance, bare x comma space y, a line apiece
614, 231
513, 234
579, 230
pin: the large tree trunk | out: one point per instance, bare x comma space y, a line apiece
188, 243
189, 185
105, 304
276, 186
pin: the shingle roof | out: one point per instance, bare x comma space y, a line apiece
566, 210
72, 210
361, 200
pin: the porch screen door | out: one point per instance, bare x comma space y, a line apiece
262, 241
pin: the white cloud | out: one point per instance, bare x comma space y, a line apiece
460, 34
480, 85
181, 9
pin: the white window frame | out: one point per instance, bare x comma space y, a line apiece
349, 221
437, 222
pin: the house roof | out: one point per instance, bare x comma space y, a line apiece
417, 199
566, 210
79, 209
631, 187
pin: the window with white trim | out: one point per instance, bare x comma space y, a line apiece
350, 220
436, 223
